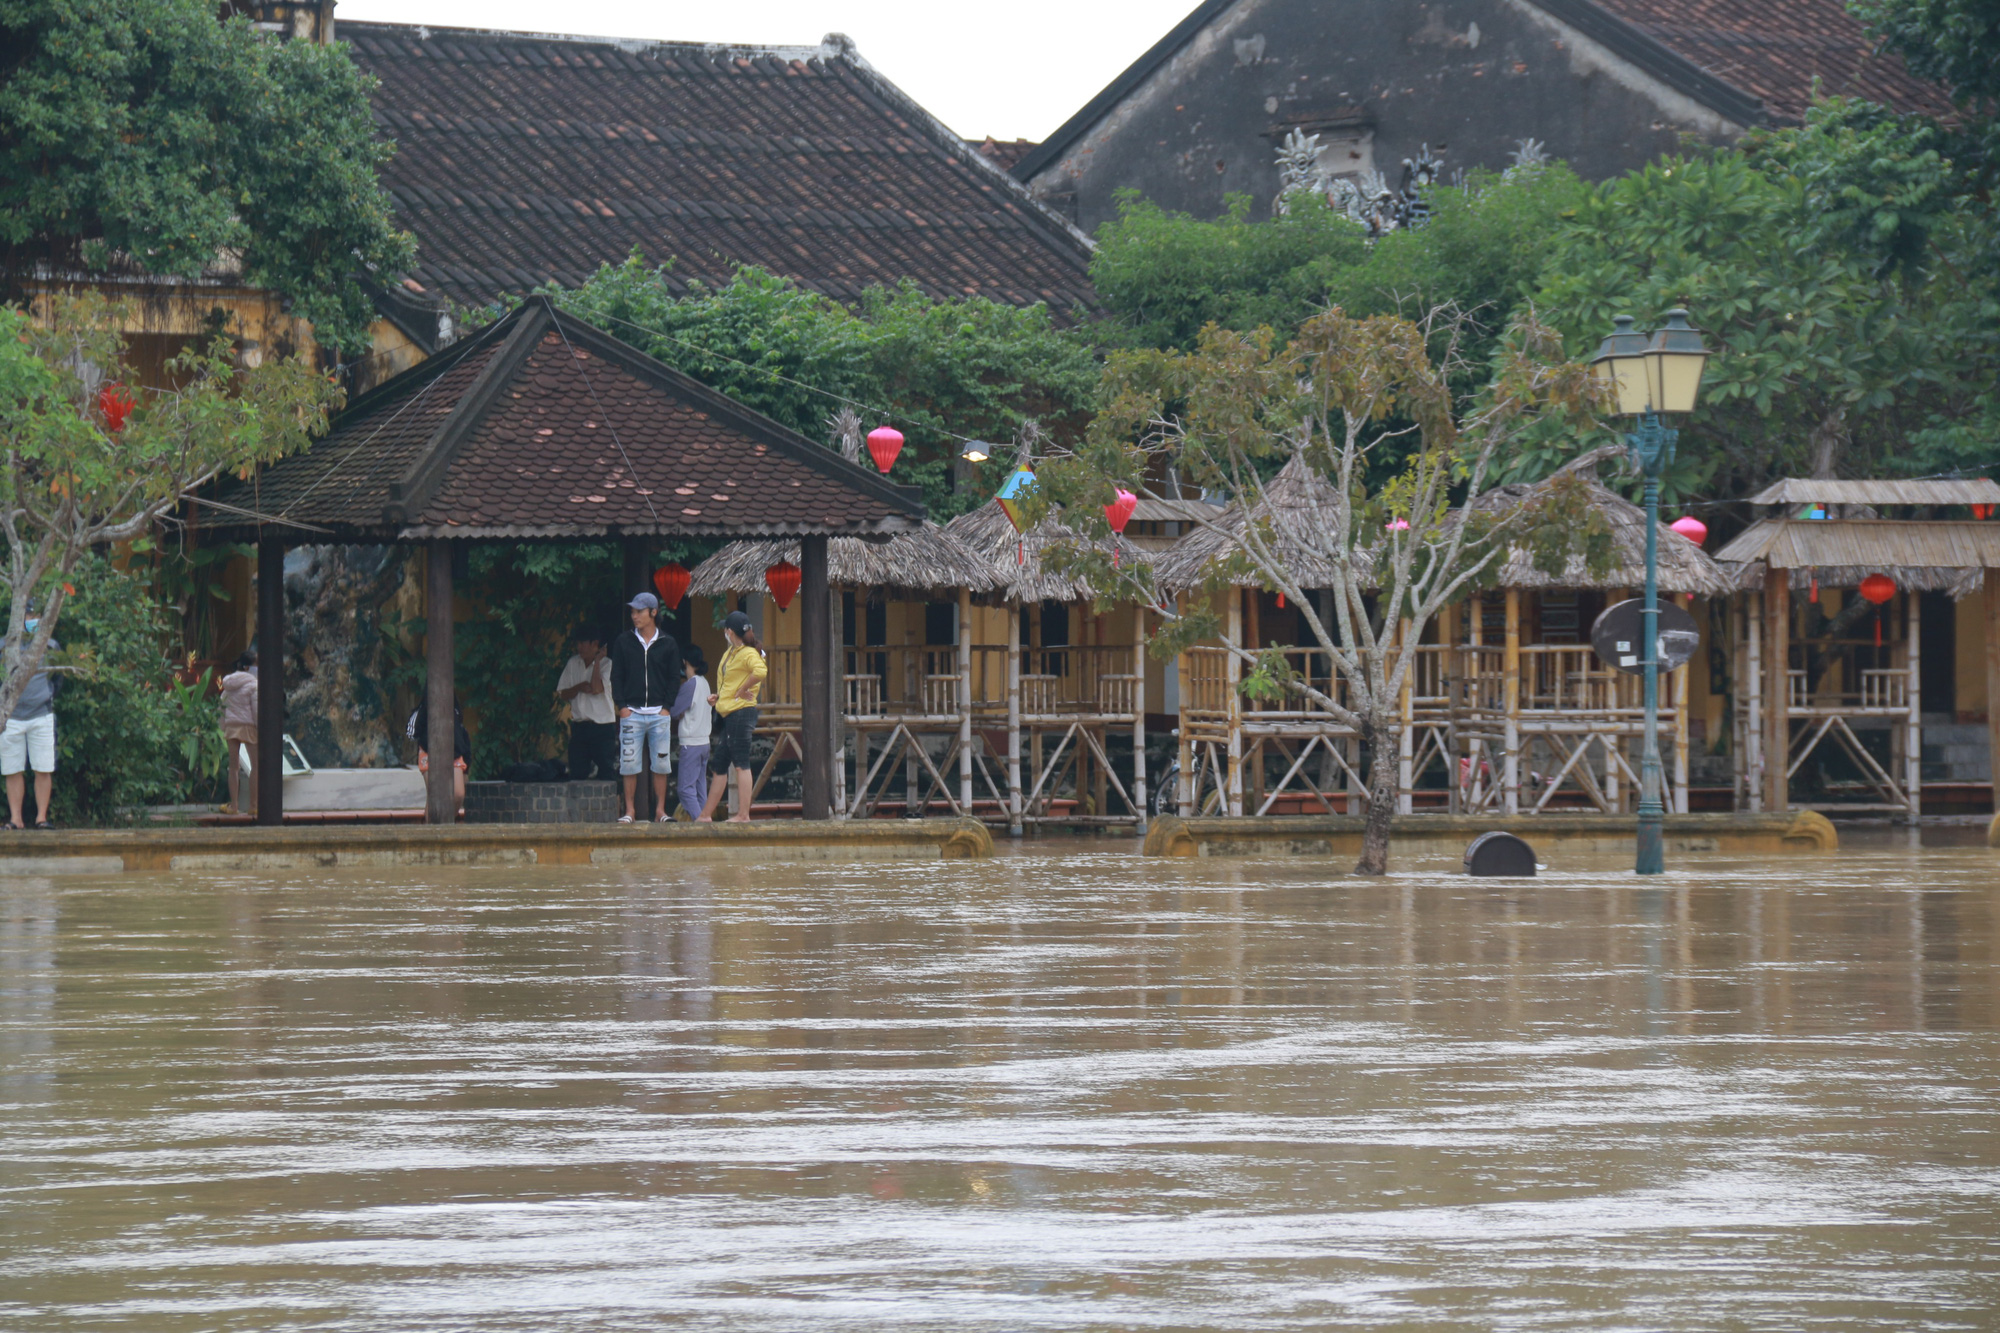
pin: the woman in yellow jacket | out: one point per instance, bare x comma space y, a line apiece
737, 680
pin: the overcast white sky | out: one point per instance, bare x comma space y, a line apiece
1015, 69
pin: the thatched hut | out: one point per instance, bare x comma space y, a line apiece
1836, 646
906, 670
1077, 674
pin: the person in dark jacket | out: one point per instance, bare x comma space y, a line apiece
645, 677
419, 731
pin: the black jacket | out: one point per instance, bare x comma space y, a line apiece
643, 677
419, 730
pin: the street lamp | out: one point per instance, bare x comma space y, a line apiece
975, 451
1650, 376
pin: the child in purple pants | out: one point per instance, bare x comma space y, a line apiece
695, 715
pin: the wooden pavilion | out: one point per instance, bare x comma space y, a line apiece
1507, 705
1831, 635
900, 693
541, 427
1075, 675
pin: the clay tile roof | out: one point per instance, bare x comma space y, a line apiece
1006, 152
524, 159
542, 426
1774, 49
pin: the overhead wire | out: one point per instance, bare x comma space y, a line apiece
576, 359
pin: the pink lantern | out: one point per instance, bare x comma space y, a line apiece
1119, 512
1691, 528
884, 443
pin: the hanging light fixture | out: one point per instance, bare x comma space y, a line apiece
975, 451
783, 580
884, 443
671, 582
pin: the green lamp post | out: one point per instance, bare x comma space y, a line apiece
1650, 377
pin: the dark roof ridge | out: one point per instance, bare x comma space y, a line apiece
1621, 38
629, 45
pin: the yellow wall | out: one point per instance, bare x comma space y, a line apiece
1971, 664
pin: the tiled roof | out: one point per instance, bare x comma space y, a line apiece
523, 159
1774, 49
542, 426
1005, 151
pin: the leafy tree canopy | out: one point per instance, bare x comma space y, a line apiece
1166, 276
152, 133
934, 369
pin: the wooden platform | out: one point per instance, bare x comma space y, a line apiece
1340, 835
94, 851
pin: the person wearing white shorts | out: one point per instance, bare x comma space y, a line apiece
29, 742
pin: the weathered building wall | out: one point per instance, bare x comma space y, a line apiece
1377, 81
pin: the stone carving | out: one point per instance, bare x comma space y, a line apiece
1366, 197
340, 711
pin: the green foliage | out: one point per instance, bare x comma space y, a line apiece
939, 368
1801, 258
1952, 42
152, 130
1166, 276
78, 475
128, 733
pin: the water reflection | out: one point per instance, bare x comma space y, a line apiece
1071, 1091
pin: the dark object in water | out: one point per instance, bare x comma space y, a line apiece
1499, 855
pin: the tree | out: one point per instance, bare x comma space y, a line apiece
88, 463
934, 369
1807, 259
1314, 411
1167, 276
151, 134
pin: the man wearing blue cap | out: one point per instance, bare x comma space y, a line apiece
645, 676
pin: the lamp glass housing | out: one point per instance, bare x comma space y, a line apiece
1674, 358
975, 451
1620, 364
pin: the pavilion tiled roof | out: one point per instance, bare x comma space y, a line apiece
524, 159
543, 426
1774, 49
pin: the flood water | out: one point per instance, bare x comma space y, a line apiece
1065, 1089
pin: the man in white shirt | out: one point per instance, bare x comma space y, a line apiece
585, 685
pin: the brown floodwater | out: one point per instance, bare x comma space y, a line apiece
1065, 1089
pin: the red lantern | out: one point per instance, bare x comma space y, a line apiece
1878, 588
884, 443
783, 581
1691, 528
115, 401
671, 582
1119, 512
1982, 511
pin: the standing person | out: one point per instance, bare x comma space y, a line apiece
645, 676
695, 714
585, 685
738, 679
461, 759
29, 741
239, 727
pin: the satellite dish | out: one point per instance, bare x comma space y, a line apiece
1617, 634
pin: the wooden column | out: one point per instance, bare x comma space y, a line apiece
1014, 718
1777, 688
1683, 678
269, 761
965, 700
1139, 713
816, 715
1752, 681
1406, 760
1993, 681
440, 686
1511, 774
1913, 738
1040, 662
635, 578
1184, 792
1232, 677
836, 704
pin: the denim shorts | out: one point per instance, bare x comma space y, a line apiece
650, 732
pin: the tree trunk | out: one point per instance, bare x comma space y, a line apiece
1384, 754
1829, 441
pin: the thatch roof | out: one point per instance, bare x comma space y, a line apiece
1927, 555
922, 563
1683, 566
1829, 491
1299, 500
1016, 559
